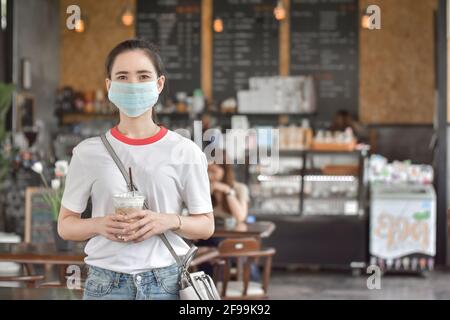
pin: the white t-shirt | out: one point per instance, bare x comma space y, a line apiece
170, 170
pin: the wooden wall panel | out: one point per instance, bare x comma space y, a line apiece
397, 63
83, 55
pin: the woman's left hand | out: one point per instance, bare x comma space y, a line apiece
149, 224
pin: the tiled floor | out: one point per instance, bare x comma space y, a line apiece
343, 285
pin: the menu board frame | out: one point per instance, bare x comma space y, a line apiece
324, 37
175, 27
257, 53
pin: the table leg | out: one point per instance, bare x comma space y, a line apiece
62, 274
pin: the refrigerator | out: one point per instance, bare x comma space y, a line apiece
402, 227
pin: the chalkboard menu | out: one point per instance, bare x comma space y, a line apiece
175, 26
39, 221
246, 47
324, 43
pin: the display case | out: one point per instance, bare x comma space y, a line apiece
334, 183
318, 201
310, 183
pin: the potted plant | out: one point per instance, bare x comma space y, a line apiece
6, 91
54, 195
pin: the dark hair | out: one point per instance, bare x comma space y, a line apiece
342, 120
228, 178
137, 44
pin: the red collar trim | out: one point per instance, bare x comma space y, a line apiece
138, 142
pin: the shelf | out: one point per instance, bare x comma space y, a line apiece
262, 178
230, 114
299, 153
262, 114
175, 115
258, 114
259, 213
331, 198
291, 153
329, 178
332, 152
324, 216
279, 174
308, 217
307, 178
293, 196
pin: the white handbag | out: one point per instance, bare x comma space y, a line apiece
198, 286
193, 286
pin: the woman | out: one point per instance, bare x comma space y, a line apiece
229, 197
230, 200
343, 120
128, 260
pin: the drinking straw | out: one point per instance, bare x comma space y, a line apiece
131, 179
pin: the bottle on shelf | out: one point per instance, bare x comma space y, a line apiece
423, 264
198, 101
414, 264
430, 264
398, 264
405, 263
181, 105
89, 102
389, 263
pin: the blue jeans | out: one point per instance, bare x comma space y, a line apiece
156, 284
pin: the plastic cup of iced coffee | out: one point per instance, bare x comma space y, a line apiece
128, 203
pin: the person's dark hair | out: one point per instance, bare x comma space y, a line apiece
138, 44
342, 120
228, 178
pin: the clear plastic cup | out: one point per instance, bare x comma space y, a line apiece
128, 202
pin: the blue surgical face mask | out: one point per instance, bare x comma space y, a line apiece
133, 99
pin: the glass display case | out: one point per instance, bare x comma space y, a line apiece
334, 182
311, 183
276, 192
317, 200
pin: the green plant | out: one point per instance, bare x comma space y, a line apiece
56, 189
6, 91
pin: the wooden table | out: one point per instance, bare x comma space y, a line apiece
40, 254
39, 294
259, 229
47, 254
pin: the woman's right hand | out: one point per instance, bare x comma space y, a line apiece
111, 226
220, 186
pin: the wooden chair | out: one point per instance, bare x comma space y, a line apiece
244, 251
26, 277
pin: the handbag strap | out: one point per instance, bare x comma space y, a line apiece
192, 248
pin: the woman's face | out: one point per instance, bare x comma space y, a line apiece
215, 172
134, 66
340, 121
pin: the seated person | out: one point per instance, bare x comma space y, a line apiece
343, 120
230, 199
